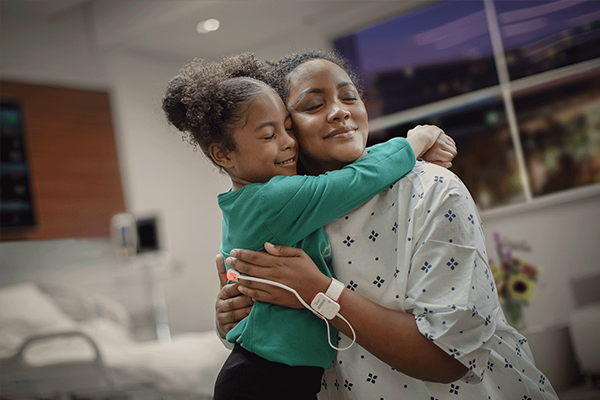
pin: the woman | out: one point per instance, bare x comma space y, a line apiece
419, 293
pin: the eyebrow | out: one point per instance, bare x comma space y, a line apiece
265, 124
271, 123
320, 90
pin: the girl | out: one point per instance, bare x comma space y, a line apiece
243, 126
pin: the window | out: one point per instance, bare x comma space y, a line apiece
515, 83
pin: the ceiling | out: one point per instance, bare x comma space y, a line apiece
33, 31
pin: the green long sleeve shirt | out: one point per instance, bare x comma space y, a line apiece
291, 211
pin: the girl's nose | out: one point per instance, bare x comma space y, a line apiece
288, 140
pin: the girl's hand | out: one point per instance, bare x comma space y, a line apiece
287, 265
442, 152
231, 306
422, 138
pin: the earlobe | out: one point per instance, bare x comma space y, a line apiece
220, 155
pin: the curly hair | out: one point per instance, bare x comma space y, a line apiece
207, 100
279, 73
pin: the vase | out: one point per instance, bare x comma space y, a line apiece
513, 312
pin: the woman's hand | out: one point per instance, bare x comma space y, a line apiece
287, 265
442, 152
231, 306
390, 335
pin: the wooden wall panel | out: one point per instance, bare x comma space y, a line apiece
74, 169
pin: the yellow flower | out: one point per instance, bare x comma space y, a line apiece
497, 273
520, 287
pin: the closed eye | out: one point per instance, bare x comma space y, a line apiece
313, 107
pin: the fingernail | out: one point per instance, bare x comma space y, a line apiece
233, 252
269, 245
230, 260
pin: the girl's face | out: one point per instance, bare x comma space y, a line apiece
265, 145
330, 119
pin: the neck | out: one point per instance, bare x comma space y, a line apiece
315, 167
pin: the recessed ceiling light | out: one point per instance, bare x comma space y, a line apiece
209, 25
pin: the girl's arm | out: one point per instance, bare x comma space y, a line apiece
390, 335
298, 205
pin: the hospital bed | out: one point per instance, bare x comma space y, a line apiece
56, 346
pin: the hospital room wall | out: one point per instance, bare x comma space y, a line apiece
165, 177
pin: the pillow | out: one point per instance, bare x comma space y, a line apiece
86, 306
25, 311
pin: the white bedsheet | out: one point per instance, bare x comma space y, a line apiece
188, 364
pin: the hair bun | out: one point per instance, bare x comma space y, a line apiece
173, 105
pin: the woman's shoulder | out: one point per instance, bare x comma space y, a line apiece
429, 176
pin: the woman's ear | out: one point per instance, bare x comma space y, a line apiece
220, 155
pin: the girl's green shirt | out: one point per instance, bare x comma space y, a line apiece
291, 211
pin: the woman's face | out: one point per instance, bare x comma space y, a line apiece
330, 119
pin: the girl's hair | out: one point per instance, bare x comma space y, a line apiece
279, 73
207, 100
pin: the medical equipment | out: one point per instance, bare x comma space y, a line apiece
323, 305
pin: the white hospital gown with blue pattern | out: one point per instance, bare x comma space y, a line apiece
419, 247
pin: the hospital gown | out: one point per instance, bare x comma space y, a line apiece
419, 247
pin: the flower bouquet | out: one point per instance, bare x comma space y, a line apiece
515, 280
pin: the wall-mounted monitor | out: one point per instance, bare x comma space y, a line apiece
16, 200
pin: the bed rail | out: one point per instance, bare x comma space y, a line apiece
20, 379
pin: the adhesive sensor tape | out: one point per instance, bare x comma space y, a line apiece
232, 275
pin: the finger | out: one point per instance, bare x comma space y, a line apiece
245, 283
256, 293
246, 268
282, 251
229, 291
221, 269
259, 258
227, 320
448, 144
273, 296
447, 138
442, 156
232, 304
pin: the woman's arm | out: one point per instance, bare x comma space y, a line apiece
390, 335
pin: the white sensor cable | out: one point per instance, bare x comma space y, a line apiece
234, 275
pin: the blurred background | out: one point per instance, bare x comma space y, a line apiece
99, 195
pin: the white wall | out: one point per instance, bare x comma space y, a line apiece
163, 175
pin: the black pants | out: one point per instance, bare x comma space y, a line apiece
246, 376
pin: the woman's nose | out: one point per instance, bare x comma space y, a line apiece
338, 113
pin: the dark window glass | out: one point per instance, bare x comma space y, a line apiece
542, 35
559, 125
434, 53
486, 162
